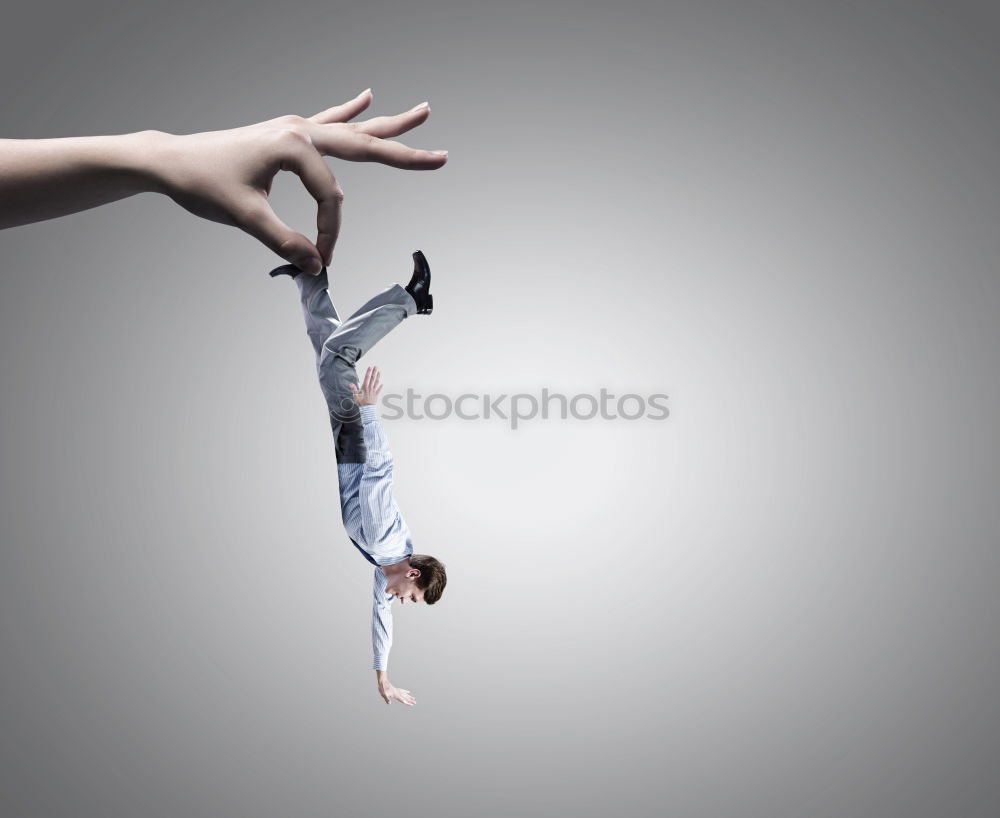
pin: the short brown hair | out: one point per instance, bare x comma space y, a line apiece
432, 577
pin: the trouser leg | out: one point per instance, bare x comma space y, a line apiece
338, 346
368, 325
317, 307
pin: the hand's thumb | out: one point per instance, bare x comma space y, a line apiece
262, 223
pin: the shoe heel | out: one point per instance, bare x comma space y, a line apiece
289, 270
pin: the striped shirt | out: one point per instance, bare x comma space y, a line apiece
374, 524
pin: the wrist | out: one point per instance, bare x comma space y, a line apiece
146, 155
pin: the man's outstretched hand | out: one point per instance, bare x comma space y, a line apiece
388, 692
370, 388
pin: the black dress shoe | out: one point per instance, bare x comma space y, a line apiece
420, 285
286, 270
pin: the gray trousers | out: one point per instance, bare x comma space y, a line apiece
339, 344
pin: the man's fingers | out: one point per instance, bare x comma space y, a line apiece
261, 222
301, 157
362, 147
344, 111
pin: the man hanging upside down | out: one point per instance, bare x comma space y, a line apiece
364, 464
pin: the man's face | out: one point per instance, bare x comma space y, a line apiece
405, 589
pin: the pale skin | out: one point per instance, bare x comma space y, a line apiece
224, 176
401, 578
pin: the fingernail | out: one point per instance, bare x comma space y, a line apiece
440, 153
418, 107
367, 90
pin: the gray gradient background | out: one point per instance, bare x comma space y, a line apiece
782, 601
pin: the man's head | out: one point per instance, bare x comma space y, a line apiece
422, 581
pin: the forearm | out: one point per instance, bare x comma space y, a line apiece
379, 460
381, 623
46, 178
379, 513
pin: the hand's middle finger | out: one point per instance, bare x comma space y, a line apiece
355, 146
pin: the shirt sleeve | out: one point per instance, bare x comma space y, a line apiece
380, 517
350, 510
381, 622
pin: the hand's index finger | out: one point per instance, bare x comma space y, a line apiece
302, 158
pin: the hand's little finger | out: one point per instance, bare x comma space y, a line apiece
344, 111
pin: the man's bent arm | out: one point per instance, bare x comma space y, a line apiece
379, 513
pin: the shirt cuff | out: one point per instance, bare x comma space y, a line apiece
369, 412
